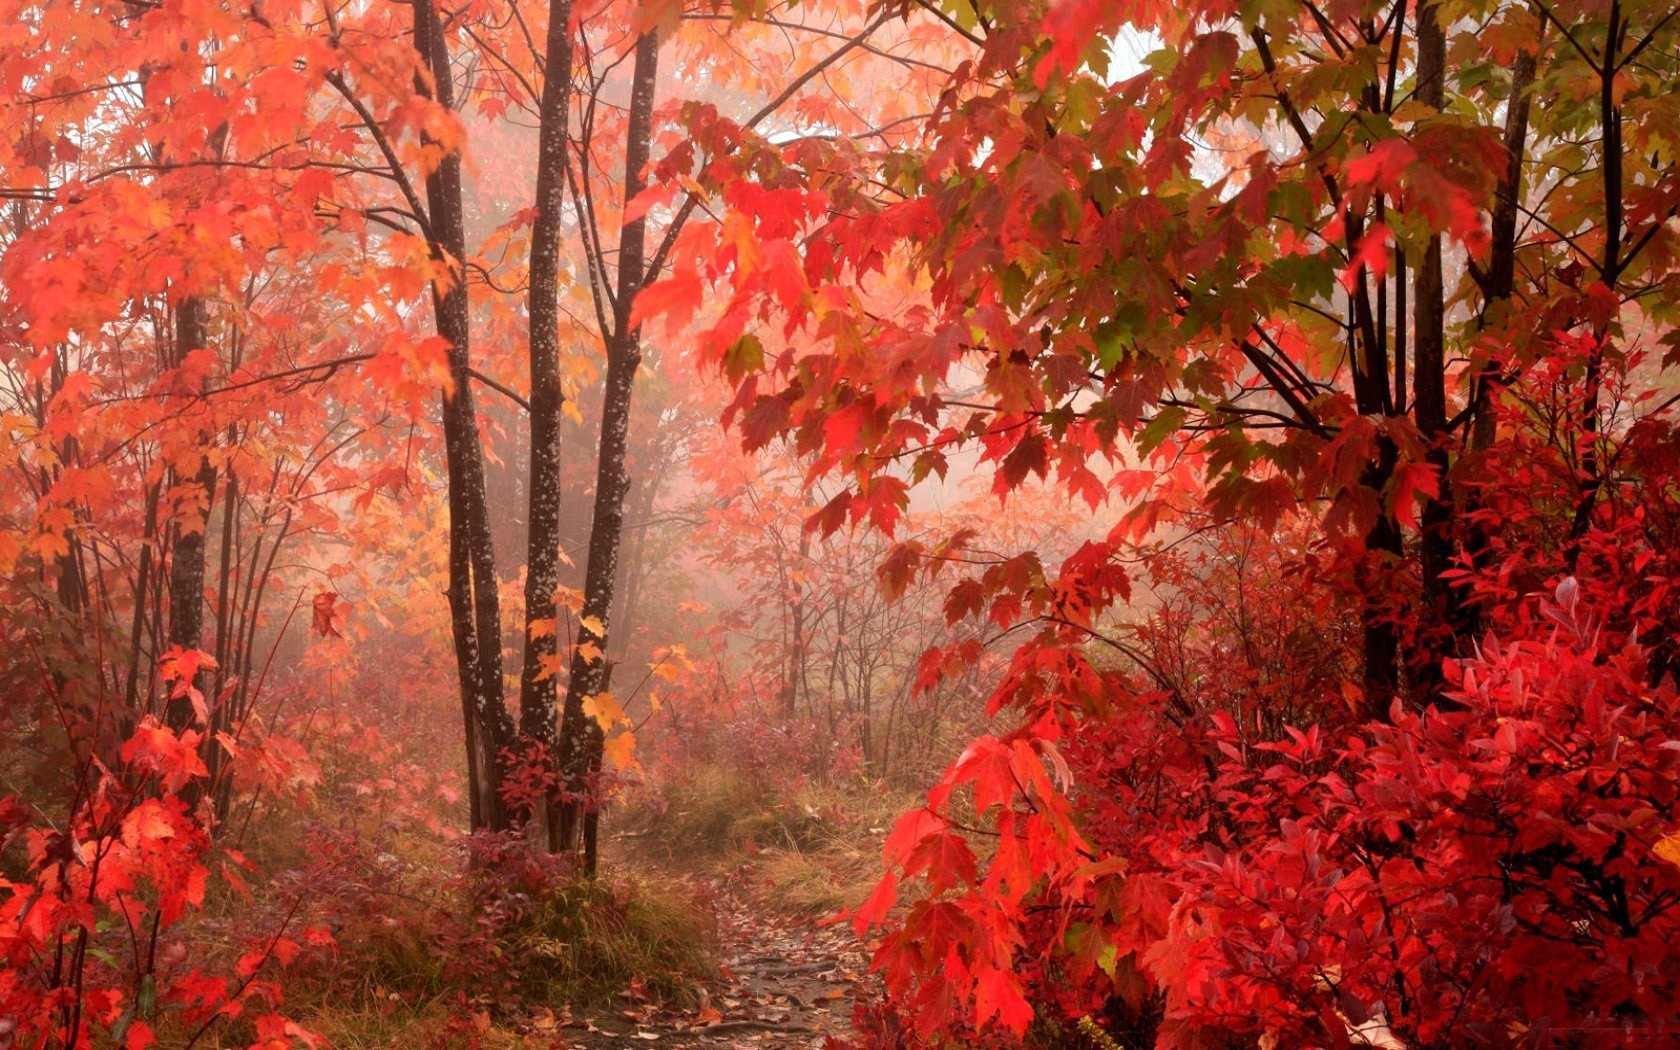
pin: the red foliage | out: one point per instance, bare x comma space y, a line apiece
1478, 873
132, 853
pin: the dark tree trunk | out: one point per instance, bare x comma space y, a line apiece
624, 355
475, 613
1437, 624
596, 739
1497, 287
1383, 544
222, 718
1609, 268
142, 606
186, 552
538, 696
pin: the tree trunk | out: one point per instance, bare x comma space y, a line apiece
631, 574
796, 651
186, 552
538, 717
1609, 269
1496, 293
222, 719
1438, 623
624, 356
596, 739
475, 613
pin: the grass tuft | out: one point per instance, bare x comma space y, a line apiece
591, 939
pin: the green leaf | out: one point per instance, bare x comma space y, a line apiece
1158, 430
747, 355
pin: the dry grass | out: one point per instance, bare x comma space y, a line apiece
577, 947
814, 850
818, 882
591, 938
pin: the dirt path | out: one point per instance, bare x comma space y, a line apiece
787, 982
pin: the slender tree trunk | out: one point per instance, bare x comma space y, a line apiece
1383, 546
475, 613
796, 651
186, 553
1609, 268
142, 604
592, 811
1369, 351
538, 697
1429, 397
624, 356
630, 570
221, 718
1496, 293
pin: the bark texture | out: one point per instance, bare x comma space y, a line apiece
475, 613
1429, 396
580, 748
186, 551
538, 693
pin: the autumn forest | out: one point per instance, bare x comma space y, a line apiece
847, 524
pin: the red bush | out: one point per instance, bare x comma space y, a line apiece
1480, 873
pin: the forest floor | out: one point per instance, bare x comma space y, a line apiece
787, 980
709, 928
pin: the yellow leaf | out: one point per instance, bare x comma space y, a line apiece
1668, 849
604, 710
589, 651
568, 598
621, 750
670, 662
593, 625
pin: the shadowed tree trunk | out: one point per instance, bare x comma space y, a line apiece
1429, 397
1497, 286
1610, 266
596, 743
186, 552
538, 695
474, 605
578, 747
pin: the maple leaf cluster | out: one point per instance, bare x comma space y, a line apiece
132, 854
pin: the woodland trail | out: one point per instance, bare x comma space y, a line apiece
786, 981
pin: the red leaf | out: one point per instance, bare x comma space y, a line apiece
675, 299
159, 750
1371, 253
997, 993
1410, 480
874, 910
908, 832
325, 608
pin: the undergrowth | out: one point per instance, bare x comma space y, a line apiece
808, 848
456, 947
